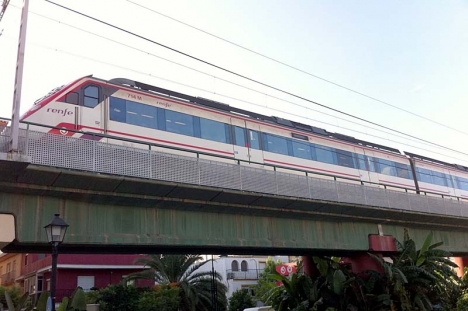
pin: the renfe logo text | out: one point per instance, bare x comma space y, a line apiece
65, 112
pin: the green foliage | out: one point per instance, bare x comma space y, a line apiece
120, 297
162, 299
240, 300
15, 294
92, 296
41, 304
182, 271
265, 284
64, 305
78, 300
462, 304
20, 303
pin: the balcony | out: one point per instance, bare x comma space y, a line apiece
250, 274
8, 278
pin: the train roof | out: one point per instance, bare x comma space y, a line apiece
430, 160
249, 114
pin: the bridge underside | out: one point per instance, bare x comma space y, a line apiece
114, 214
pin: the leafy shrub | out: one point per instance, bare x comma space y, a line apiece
240, 300
15, 294
462, 304
120, 297
162, 299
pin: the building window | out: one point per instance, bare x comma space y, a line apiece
91, 96
26, 259
244, 266
85, 282
234, 265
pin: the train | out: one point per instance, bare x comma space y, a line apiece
132, 110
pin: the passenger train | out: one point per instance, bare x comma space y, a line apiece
133, 110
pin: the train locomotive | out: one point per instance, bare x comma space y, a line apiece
133, 110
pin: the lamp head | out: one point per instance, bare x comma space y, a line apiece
56, 230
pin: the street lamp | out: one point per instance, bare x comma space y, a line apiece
55, 234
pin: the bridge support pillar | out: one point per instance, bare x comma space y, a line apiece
461, 262
309, 266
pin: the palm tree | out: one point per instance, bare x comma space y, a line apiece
195, 287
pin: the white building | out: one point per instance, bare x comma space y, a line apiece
239, 272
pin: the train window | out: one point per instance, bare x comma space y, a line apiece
91, 96
301, 150
386, 167
361, 161
424, 175
439, 178
239, 133
462, 183
403, 171
180, 123
72, 98
213, 130
344, 158
254, 141
276, 144
118, 109
142, 115
325, 154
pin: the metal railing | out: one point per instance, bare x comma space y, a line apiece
158, 162
249, 274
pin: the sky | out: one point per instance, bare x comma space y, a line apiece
411, 55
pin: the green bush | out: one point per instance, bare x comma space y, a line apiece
120, 297
462, 304
92, 296
240, 300
15, 294
163, 299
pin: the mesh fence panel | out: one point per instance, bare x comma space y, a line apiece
218, 174
121, 160
175, 168
89, 155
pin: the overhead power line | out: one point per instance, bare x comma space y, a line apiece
221, 79
243, 76
296, 68
223, 95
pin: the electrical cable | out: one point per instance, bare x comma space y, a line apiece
224, 80
243, 76
295, 68
226, 96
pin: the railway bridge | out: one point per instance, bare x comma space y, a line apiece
147, 199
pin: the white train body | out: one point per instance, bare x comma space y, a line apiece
139, 112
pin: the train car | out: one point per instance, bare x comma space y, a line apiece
133, 110
440, 177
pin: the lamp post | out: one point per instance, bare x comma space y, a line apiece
214, 291
55, 234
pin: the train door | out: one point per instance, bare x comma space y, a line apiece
254, 143
371, 167
247, 141
90, 117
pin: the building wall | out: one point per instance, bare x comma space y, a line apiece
235, 280
10, 269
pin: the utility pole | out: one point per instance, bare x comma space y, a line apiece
15, 115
